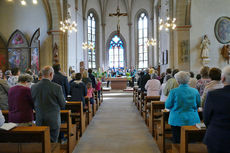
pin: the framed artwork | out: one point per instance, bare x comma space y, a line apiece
18, 51
3, 55
222, 30
35, 52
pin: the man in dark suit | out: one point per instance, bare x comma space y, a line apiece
61, 79
144, 80
92, 77
48, 101
217, 117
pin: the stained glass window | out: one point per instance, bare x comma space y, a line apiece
116, 53
142, 39
91, 40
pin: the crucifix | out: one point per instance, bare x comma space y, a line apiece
118, 14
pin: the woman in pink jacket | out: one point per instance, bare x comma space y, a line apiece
153, 86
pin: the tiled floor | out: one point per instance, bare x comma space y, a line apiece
117, 128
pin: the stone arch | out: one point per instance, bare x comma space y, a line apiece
107, 48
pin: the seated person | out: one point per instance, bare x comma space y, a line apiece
20, 102
78, 90
2, 119
183, 103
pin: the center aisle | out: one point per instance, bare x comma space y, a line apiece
117, 128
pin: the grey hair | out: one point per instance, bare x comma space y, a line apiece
182, 77
25, 78
226, 74
154, 76
47, 70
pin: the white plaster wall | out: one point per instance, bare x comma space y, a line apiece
27, 19
80, 36
204, 14
72, 39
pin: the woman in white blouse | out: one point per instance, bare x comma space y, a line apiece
153, 86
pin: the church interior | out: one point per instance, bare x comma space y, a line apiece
114, 76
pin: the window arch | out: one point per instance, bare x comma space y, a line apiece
142, 37
91, 40
116, 52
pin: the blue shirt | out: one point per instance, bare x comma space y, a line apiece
183, 102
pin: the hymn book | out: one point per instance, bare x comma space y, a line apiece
8, 126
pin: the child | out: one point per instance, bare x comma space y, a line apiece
90, 91
98, 88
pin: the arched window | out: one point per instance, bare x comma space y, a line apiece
91, 40
116, 53
142, 35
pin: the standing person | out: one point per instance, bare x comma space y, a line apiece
13, 80
92, 77
78, 90
217, 117
183, 103
61, 79
171, 83
4, 88
192, 80
200, 85
98, 87
144, 80
153, 86
48, 101
85, 77
20, 102
163, 97
90, 91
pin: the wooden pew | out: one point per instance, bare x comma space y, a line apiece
89, 112
156, 108
35, 139
70, 131
146, 109
134, 93
141, 102
77, 114
188, 132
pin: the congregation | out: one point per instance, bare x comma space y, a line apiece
183, 95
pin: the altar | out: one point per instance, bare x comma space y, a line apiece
118, 83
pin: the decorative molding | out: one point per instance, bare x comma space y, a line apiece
54, 31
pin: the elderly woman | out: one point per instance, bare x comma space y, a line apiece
200, 85
183, 103
20, 102
85, 78
153, 86
4, 88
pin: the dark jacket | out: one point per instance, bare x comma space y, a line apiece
20, 105
48, 101
144, 80
217, 119
92, 77
78, 91
4, 88
62, 81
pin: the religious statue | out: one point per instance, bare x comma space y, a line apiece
225, 52
205, 47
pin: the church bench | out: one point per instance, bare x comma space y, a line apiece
188, 133
70, 131
141, 102
146, 108
135, 93
154, 114
77, 114
35, 139
89, 112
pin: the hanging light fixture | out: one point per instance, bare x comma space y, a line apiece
151, 42
24, 2
68, 25
89, 46
168, 24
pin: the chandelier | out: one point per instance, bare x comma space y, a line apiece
168, 24
151, 42
85, 45
68, 25
23, 2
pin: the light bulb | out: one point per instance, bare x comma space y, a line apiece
9, 0
35, 2
168, 18
23, 2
